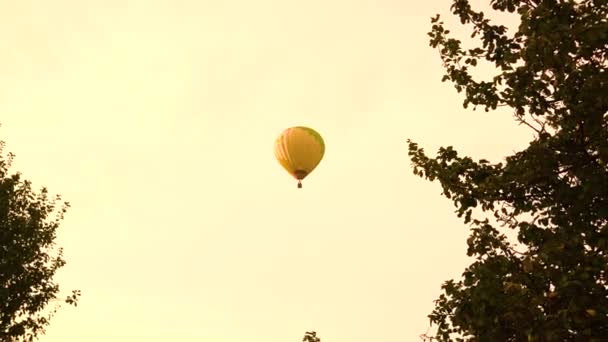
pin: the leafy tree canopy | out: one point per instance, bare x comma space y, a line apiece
552, 71
29, 258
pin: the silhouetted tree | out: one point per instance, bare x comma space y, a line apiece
552, 284
28, 257
311, 337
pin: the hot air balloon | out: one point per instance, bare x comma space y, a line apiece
299, 150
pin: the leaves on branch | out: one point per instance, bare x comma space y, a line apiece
29, 257
553, 72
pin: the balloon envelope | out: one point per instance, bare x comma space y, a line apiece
299, 150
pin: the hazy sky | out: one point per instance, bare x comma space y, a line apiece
156, 119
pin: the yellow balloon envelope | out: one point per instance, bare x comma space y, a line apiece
299, 150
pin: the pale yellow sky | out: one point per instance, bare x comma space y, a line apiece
156, 120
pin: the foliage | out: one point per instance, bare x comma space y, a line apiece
311, 337
552, 285
28, 257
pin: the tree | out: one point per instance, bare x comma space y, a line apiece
311, 337
29, 258
552, 283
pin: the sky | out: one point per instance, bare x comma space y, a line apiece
156, 120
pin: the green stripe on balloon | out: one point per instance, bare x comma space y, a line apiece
315, 135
